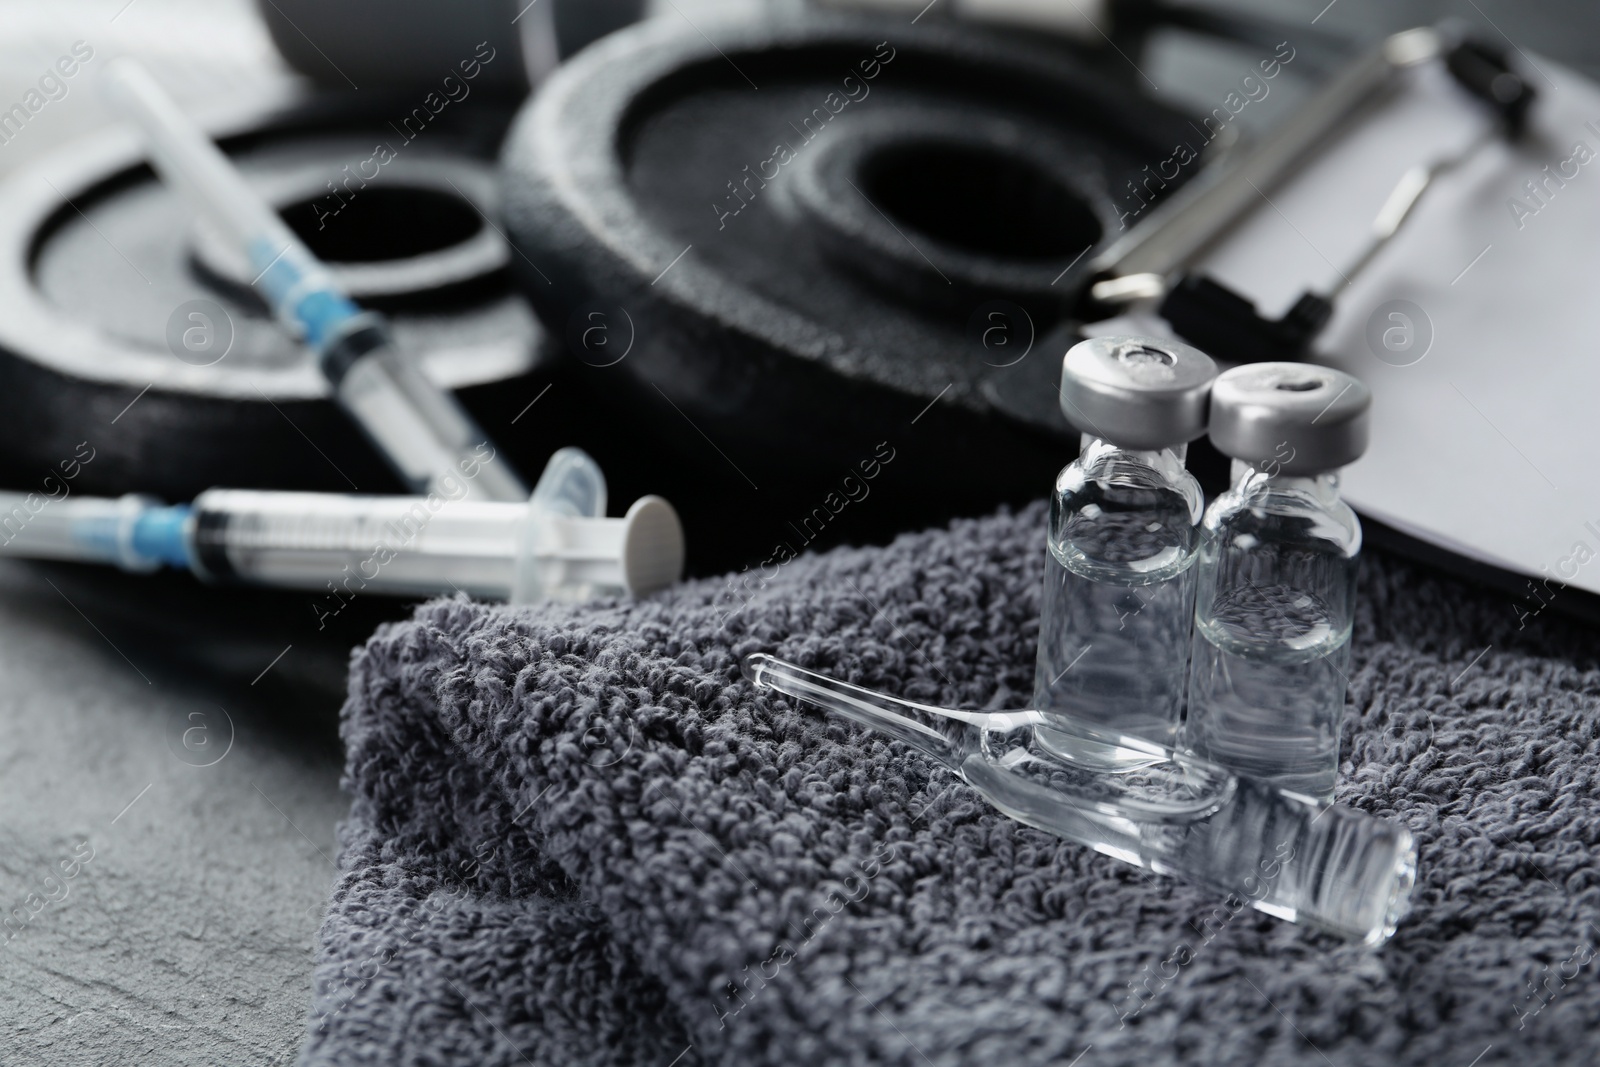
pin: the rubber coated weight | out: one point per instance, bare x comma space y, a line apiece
774, 248
104, 274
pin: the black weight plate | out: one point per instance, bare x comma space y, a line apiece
100, 265
770, 248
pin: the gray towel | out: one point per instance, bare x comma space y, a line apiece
578, 836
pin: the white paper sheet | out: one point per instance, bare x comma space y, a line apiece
1489, 444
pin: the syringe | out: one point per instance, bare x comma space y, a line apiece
556, 545
424, 433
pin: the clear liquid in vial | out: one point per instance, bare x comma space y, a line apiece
1116, 616
1266, 691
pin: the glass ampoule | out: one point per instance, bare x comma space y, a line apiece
1327, 866
1118, 600
1276, 577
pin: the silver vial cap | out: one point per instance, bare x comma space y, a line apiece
1137, 392
1300, 418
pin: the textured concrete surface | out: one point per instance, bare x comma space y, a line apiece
179, 930
166, 835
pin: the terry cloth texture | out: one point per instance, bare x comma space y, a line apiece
579, 837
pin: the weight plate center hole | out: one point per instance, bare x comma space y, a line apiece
980, 199
382, 224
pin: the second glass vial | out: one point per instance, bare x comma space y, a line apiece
1118, 597
1276, 578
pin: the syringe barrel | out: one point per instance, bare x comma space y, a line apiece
428, 545
188, 159
425, 433
352, 544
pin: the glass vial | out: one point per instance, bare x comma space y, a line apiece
1118, 600
1277, 577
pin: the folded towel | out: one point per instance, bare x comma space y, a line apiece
578, 836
